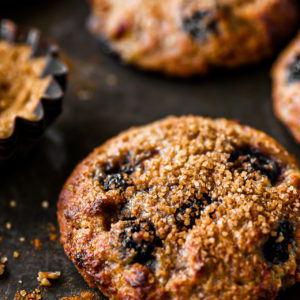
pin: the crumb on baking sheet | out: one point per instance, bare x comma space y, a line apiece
37, 243
16, 254
3, 260
52, 232
12, 203
2, 269
53, 236
45, 204
43, 277
22, 239
8, 225
83, 79
24, 295
83, 296
51, 227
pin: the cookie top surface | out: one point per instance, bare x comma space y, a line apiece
286, 87
186, 37
21, 87
184, 208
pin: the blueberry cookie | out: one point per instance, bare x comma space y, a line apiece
185, 208
187, 37
286, 87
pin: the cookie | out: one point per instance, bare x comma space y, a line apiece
187, 37
286, 87
185, 208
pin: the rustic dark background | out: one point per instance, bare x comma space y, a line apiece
103, 99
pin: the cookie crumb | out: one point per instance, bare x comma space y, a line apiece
3, 260
22, 239
16, 254
20, 281
8, 225
24, 295
45, 204
37, 243
83, 296
2, 269
12, 203
43, 277
51, 227
53, 237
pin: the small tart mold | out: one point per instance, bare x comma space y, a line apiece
25, 131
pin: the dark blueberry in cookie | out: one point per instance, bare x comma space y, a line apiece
115, 180
276, 249
140, 235
247, 158
200, 25
293, 71
114, 176
79, 259
188, 212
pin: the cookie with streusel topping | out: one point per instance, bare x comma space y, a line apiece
286, 87
188, 37
185, 208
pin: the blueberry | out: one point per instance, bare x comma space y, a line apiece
200, 25
190, 211
293, 71
116, 181
79, 259
140, 235
278, 251
250, 158
114, 176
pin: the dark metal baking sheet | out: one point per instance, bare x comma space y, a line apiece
104, 98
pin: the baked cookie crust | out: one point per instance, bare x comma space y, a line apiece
185, 208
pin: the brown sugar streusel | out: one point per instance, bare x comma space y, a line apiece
21, 86
185, 208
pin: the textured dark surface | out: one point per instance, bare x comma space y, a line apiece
118, 97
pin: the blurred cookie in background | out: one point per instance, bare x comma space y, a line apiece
184, 38
286, 87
